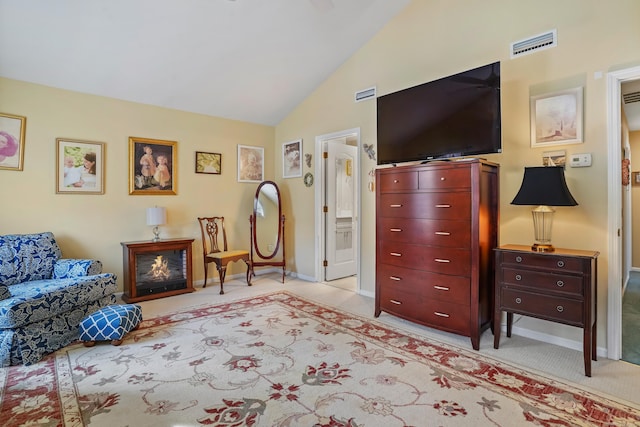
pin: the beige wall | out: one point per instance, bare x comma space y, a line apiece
94, 225
634, 143
432, 39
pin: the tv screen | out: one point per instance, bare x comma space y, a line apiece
454, 116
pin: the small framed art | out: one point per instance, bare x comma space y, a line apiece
210, 163
153, 166
12, 130
556, 118
79, 166
291, 155
250, 163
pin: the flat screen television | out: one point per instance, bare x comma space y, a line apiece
455, 116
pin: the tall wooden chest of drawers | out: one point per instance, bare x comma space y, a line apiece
436, 228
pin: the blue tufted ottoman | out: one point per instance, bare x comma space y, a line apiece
112, 322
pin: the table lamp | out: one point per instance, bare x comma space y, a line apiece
156, 216
543, 187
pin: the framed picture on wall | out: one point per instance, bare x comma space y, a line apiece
153, 165
12, 130
79, 166
291, 159
556, 118
208, 163
250, 163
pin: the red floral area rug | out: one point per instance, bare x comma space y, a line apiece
281, 360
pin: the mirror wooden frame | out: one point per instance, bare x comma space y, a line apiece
257, 257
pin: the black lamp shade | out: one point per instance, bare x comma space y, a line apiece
544, 185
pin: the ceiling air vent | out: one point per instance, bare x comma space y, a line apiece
630, 98
363, 95
534, 44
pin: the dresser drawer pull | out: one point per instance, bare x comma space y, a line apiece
395, 230
440, 314
560, 283
443, 206
442, 233
395, 278
395, 206
441, 288
518, 258
394, 254
442, 178
518, 277
392, 301
518, 300
395, 181
442, 260
560, 264
560, 309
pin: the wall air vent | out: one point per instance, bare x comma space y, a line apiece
630, 98
534, 44
363, 95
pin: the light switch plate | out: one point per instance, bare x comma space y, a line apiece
580, 160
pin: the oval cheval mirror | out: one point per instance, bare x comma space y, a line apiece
267, 228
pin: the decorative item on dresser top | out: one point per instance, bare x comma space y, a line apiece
436, 227
155, 269
560, 286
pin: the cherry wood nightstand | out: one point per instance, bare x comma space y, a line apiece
559, 286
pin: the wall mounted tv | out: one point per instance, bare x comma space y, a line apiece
454, 116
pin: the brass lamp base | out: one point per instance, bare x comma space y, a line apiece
539, 247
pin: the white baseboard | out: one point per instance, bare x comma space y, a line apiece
551, 339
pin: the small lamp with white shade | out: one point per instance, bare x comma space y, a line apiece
156, 216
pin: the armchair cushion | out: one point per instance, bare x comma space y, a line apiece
4, 291
70, 268
27, 257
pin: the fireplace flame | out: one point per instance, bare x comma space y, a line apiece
159, 269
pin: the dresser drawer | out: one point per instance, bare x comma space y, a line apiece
454, 205
438, 232
453, 261
442, 315
558, 263
444, 178
433, 286
543, 281
548, 307
395, 181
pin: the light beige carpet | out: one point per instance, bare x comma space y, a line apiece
281, 360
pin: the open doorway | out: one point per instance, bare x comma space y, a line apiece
618, 231
337, 210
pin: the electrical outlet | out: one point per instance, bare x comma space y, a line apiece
580, 160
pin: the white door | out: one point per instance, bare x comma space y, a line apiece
341, 210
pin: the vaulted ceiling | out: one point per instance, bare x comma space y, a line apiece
250, 60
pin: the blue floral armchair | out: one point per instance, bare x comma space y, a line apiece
43, 298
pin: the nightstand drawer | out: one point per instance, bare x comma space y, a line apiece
547, 307
453, 205
540, 281
550, 262
438, 232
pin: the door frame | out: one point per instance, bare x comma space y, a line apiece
319, 192
615, 253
